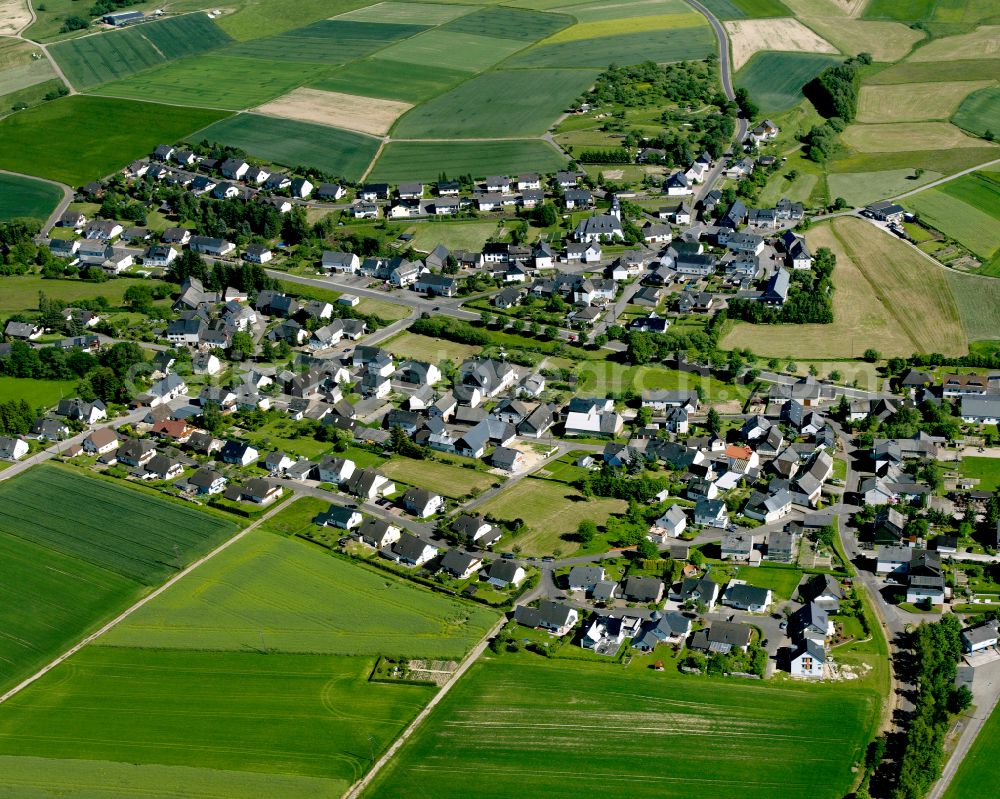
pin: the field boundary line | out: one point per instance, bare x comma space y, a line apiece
947, 179
146, 599
355, 790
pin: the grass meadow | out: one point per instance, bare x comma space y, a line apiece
918, 102
413, 345
46, 140
401, 160
453, 235
861, 188
442, 478
775, 80
924, 72
978, 301
20, 292
132, 534
24, 198
986, 470
978, 768
294, 143
565, 728
551, 510
285, 595
885, 292
92, 60
291, 715
39, 393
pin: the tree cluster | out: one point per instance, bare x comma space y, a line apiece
834, 91
16, 417
610, 482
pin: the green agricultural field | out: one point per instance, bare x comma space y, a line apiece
905, 10
741, 9
294, 143
24, 198
70, 140
599, 11
552, 511
509, 23
449, 480
944, 161
68, 596
391, 80
93, 60
289, 715
401, 161
923, 72
497, 104
128, 532
19, 293
563, 728
413, 345
452, 50
255, 18
22, 76
978, 768
453, 235
966, 209
39, 393
51, 13
215, 81
412, 13
300, 599
331, 41
775, 80
678, 44
978, 301
31, 96
979, 113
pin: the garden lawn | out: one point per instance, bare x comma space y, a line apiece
432, 350
552, 511
128, 532
70, 140
497, 104
402, 161
876, 278
293, 143
441, 478
40, 394
986, 470
782, 582
453, 235
24, 198
978, 769
287, 715
287, 595
775, 80
564, 728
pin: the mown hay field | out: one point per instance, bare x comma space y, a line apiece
787, 35
287, 595
916, 102
565, 728
888, 296
979, 113
966, 209
886, 41
895, 137
984, 42
504, 103
294, 143
978, 301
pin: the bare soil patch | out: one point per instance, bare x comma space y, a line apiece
750, 36
14, 16
352, 112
